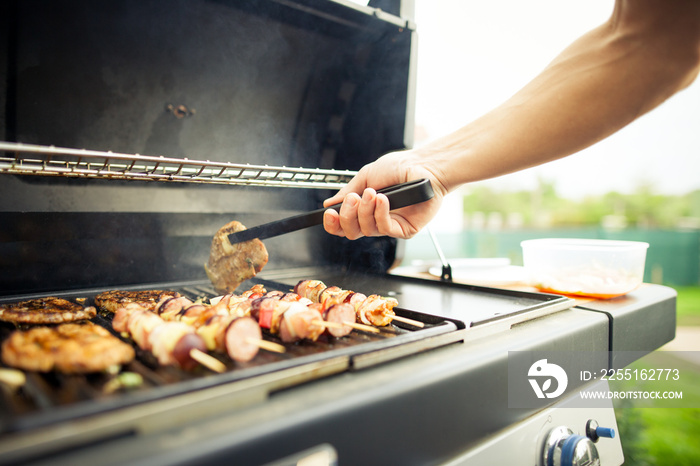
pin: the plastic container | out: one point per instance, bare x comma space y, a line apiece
584, 267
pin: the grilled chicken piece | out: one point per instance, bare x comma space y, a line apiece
69, 348
376, 310
48, 310
231, 264
113, 300
300, 321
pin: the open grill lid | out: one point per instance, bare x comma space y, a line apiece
221, 92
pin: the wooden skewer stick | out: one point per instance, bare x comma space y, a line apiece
266, 345
325, 323
210, 362
366, 328
363, 327
408, 321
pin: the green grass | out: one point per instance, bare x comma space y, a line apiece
652, 432
688, 305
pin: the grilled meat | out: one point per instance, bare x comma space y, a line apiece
171, 343
289, 316
48, 310
231, 264
340, 314
69, 348
376, 310
113, 300
300, 321
224, 326
371, 310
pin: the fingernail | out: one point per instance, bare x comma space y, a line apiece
351, 201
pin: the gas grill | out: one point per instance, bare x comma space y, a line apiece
133, 130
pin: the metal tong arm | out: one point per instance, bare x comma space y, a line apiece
400, 195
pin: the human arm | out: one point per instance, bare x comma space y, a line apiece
647, 51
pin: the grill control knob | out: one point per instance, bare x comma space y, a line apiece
564, 448
595, 432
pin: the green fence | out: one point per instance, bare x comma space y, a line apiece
673, 257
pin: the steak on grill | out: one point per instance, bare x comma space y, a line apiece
112, 300
49, 310
231, 264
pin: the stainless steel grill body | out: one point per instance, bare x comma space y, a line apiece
132, 130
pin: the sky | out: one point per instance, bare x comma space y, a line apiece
474, 54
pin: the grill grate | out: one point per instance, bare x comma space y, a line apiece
29, 159
50, 397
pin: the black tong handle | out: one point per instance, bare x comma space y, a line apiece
399, 195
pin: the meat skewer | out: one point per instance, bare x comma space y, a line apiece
370, 310
337, 320
172, 343
288, 316
222, 327
197, 313
295, 318
341, 316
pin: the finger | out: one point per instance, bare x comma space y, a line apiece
331, 223
386, 225
365, 213
348, 216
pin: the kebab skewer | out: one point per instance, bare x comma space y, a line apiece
370, 310
288, 316
295, 318
172, 343
222, 328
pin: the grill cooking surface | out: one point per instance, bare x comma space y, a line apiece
54, 397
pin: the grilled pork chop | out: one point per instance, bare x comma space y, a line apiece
112, 300
231, 264
69, 348
47, 310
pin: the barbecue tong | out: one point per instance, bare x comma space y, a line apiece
399, 195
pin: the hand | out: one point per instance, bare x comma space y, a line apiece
366, 213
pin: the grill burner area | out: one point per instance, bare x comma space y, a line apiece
51, 397
34, 418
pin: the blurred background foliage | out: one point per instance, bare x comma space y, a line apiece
544, 207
